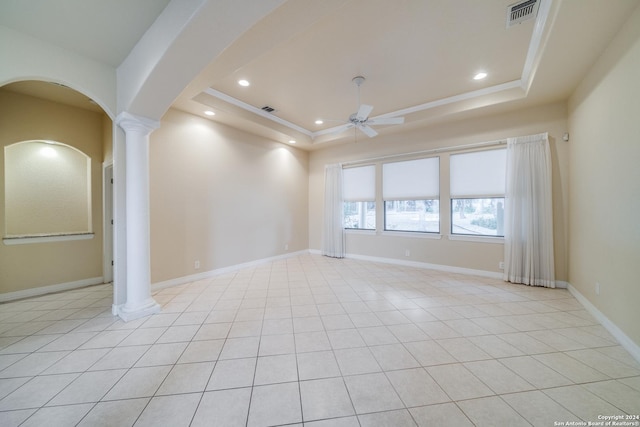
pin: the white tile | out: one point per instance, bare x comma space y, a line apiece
88, 387
180, 333
312, 341
335, 422
223, 408
176, 410
77, 361
275, 404
400, 418
15, 418
618, 394
429, 353
319, 364
458, 382
372, 393
440, 415
187, 378
491, 411
580, 401
213, 331
499, 378
393, 356
58, 416
138, 382
463, 349
276, 369
277, 326
232, 373
325, 398
571, 368
162, 354
276, 344
120, 358
416, 388
534, 372
36, 392
236, 348
33, 364
250, 328
537, 408
353, 361
345, 338
201, 351
408, 333
377, 335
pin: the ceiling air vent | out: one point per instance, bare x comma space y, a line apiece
522, 11
268, 109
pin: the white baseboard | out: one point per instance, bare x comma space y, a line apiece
626, 342
224, 270
43, 290
426, 265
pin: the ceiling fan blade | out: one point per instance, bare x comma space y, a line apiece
363, 112
368, 131
386, 121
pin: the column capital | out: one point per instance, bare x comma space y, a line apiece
130, 122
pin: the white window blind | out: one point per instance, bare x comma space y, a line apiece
481, 173
411, 180
359, 184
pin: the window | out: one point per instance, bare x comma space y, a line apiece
477, 193
359, 194
47, 190
410, 190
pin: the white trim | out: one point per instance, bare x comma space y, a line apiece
623, 339
224, 270
107, 229
248, 107
530, 63
23, 240
412, 234
43, 290
361, 231
478, 239
425, 265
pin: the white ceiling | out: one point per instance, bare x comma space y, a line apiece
104, 30
418, 57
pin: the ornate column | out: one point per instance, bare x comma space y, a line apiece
139, 302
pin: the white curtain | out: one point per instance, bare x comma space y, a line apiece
333, 233
528, 223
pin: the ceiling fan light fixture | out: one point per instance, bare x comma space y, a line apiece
479, 76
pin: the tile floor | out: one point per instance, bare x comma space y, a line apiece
317, 342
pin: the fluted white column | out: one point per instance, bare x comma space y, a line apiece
139, 302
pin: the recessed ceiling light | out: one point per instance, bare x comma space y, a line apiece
243, 82
292, 141
319, 122
481, 75
210, 113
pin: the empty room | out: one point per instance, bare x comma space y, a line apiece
319, 213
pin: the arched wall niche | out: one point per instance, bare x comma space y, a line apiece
47, 189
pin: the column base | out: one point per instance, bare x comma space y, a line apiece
146, 308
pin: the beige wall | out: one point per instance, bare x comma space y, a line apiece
604, 118
460, 254
222, 196
40, 264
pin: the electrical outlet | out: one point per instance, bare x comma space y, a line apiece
597, 288
407, 252
501, 265
196, 264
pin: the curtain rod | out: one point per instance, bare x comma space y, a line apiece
431, 151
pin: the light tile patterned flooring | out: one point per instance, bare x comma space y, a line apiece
317, 341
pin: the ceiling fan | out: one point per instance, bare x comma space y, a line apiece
360, 119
